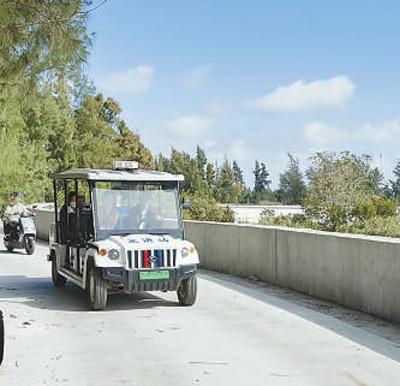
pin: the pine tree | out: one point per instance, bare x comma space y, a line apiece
238, 173
210, 178
201, 161
131, 149
261, 182
292, 188
227, 190
41, 37
394, 185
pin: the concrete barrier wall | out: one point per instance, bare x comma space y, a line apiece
237, 249
360, 272
44, 216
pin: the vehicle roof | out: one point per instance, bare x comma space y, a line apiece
141, 175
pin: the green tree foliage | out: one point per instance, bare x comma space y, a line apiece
374, 206
61, 126
237, 173
50, 116
205, 208
181, 162
394, 185
292, 188
338, 184
201, 160
262, 192
210, 178
227, 189
261, 181
222, 183
41, 37
131, 148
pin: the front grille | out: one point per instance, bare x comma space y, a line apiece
152, 258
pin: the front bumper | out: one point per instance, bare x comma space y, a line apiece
132, 282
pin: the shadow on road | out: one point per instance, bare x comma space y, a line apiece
40, 293
376, 334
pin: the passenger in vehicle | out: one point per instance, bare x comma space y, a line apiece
108, 215
67, 218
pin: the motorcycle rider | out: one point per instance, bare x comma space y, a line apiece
13, 212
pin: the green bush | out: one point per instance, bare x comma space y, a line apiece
378, 226
341, 188
293, 221
375, 206
376, 217
205, 208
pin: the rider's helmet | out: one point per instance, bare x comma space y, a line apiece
16, 196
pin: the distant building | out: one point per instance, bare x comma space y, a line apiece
250, 214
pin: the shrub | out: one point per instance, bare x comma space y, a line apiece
378, 226
375, 206
205, 208
338, 183
294, 221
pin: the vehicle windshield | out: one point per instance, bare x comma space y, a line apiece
127, 208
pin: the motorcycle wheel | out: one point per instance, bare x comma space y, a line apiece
30, 246
9, 248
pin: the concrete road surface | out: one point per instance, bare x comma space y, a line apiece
239, 332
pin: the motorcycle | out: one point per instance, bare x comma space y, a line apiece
21, 234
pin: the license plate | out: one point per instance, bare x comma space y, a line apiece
154, 275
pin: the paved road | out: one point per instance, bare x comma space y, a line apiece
239, 333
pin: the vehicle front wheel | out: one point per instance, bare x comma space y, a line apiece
9, 247
187, 291
30, 245
97, 289
58, 280
1, 337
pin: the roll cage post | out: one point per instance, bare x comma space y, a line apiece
56, 211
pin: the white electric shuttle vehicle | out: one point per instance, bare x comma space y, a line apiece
121, 231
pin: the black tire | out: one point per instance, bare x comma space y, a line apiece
1, 337
58, 280
9, 248
30, 245
187, 291
96, 289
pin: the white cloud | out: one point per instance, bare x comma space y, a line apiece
300, 95
190, 126
387, 131
136, 80
198, 76
218, 106
239, 150
321, 134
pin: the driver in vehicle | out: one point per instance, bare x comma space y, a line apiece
14, 211
149, 216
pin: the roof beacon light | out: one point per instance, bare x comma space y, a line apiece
125, 165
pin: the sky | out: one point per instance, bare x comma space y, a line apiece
254, 79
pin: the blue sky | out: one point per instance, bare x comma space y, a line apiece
254, 79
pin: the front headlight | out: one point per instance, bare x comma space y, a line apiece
113, 254
185, 252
